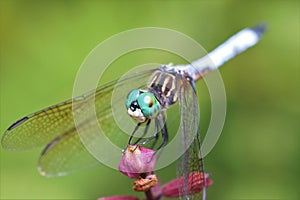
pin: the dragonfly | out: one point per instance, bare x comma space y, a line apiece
149, 95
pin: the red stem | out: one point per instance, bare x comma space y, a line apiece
149, 195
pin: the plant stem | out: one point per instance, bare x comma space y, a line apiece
149, 195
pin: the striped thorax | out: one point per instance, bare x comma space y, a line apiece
164, 86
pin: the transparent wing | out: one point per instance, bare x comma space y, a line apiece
191, 161
66, 153
54, 127
39, 128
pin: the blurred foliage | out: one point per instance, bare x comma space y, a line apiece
43, 44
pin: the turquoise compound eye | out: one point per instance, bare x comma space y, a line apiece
149, 105
132, 96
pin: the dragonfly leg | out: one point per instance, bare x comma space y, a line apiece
131, 136
134, 131
164, 135
144, 133
159, 129
155, 136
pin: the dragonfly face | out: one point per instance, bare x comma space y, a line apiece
142, 105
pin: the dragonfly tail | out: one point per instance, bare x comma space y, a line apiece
233, 46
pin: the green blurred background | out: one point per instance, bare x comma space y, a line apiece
43, 44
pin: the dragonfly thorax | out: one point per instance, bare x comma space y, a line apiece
164, 84
142, 105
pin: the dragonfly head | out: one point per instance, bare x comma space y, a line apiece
142, 105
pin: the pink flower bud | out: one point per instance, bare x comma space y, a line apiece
195, 180
119, 198
137, 160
